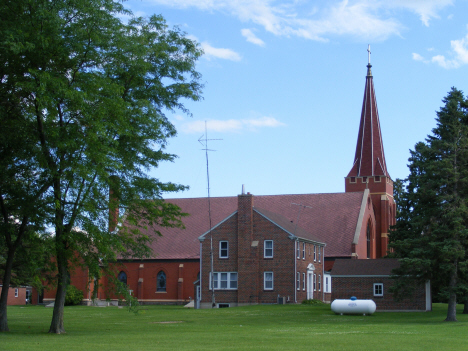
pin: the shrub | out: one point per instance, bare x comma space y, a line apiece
312, 302
73, 296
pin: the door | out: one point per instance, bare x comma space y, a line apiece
310, 285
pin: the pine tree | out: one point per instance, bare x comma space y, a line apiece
431, 233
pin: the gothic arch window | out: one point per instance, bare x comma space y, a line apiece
161, 281
368, 239
122, 277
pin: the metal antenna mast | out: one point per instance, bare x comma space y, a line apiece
201, 141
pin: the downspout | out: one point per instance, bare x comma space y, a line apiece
295, 270
323, 274
200, 282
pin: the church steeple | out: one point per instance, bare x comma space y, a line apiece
369, 159
369, 170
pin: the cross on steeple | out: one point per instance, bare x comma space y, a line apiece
368, 50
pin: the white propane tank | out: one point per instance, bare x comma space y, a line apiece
353, 306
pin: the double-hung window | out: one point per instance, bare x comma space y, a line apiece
378, 289
16, 292
303, 251
268, 280
268, 249
320, 254
224, 280
223, 249
303, 282
315, 282
298, 249
320, 282
298, 281
315, 253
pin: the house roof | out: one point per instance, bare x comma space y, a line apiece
353, 267
332, 219
369, 159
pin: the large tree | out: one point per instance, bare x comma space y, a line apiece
431, 232
94, 93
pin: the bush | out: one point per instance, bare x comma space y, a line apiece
312, 302
73, 296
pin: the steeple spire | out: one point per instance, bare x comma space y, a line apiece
369, 159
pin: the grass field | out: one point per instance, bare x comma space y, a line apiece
273, 327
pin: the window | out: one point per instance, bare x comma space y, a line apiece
315, 253
161, 281
303, 251
223, 249
368, 237
364, 179
122, 277
268, 249
378, 289
320, 254
326, 284
303, 281
224, 280
377, 179
298, 249
298, 281
223, 305
16, 292
353, 180
320, 282
315, 282
268, 280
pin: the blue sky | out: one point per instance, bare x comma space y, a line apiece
284, 82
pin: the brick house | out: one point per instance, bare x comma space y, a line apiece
349, 225
16, 295
371, 279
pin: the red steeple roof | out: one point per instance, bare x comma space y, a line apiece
370, 158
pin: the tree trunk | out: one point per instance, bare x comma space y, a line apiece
465, 307
5, 288
56, 326
452, 303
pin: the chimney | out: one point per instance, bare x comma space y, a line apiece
245, 217
113, 202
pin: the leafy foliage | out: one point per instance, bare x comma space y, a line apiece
73, 296
312, 302
91, 93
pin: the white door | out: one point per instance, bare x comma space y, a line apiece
310, 286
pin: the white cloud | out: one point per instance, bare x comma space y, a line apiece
226, 54
212, 52
364, 19
417, 57
459, 53
231, 125
251, 37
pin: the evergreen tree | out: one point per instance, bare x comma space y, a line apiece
430, 236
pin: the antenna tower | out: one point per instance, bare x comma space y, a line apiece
204, 142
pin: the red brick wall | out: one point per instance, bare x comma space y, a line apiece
246, 232
362, 288
12, 300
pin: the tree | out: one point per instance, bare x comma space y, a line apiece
430, 235
95, 90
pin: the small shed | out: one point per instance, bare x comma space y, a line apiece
371, 279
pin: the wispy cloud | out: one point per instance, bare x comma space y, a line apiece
364, 19
458, 54
251, 37
212, 52
231, 125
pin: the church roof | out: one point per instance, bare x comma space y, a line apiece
369, 159
332, 220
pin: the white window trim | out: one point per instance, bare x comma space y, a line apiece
303, 250
265, 281
227, 249
223, 303
16, 292
315, 282
217, 279
315, 253
303, 281
320, 253
298, 281
328, 286
381, 287
298, 249
320, 282
265, 248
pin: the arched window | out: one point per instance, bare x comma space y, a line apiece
161, 281
368, 237
122, 277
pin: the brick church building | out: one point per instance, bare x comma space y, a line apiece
272, 248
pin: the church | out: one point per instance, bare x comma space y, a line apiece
267, 249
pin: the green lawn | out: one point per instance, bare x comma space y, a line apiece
274, 327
